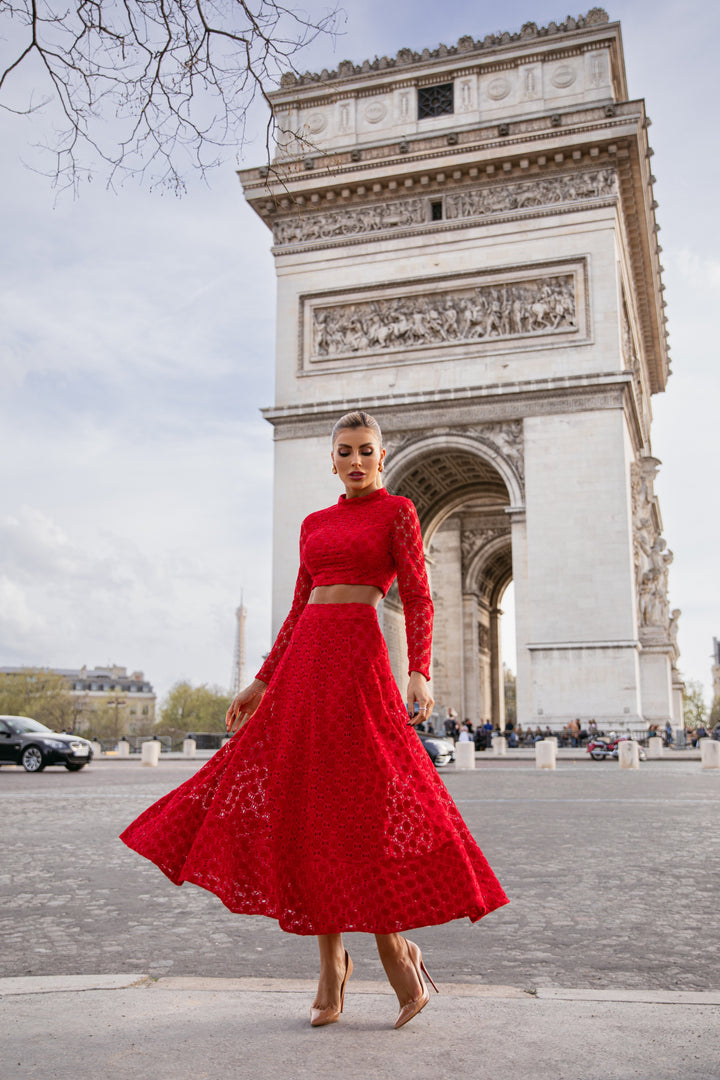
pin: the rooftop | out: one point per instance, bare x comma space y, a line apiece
466, 46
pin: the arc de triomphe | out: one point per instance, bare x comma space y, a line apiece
466, 245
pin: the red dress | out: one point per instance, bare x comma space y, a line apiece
325, 812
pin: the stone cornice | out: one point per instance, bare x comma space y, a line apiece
571, 31
587, 138
272, 189
501, 401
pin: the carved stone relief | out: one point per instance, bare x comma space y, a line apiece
501, 198
507, 438
543, 305
651, 554
498, 89
563, 76
476, 202
353, 221
375, 111
474, 540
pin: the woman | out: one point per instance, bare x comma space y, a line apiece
323, 824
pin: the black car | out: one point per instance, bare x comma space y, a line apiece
28, 743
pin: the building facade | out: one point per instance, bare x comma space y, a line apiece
126, 703
466, 245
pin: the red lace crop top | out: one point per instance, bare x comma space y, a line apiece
364, 541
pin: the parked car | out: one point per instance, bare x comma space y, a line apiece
440, 749
29, 743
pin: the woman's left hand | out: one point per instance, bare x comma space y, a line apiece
418, 692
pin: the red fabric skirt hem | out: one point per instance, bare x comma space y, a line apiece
325, 811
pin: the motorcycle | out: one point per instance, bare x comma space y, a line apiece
601, 747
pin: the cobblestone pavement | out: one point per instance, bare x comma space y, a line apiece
612, 878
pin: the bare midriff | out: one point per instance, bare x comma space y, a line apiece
346, 594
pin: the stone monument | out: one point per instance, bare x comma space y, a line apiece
466, 245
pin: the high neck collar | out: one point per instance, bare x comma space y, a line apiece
362, 500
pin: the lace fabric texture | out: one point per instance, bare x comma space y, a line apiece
324, 812
364, 541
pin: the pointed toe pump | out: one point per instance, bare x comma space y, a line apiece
414, 1007
331, 1015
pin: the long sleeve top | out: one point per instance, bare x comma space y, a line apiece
367, 540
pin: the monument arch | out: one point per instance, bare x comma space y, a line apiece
485, 277
461, 483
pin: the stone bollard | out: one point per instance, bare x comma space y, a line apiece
552, 739
96, 748
150, 752
465, 755
546, 754
710, 753
499, 745
123, 748
628, 754
680, 739
655, 747
189, 747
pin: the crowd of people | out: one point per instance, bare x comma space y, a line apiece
573, 734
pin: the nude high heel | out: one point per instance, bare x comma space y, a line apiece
331, 1015
414, 1007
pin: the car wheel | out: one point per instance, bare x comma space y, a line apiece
75, 766
32, 759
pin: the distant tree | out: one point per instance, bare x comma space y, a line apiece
190, 708
694, 707
40, 694
148, 88
510, 695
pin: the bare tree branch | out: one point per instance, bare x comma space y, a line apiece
149, 88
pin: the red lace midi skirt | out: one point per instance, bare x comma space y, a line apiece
324, 812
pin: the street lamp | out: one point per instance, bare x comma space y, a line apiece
117, 702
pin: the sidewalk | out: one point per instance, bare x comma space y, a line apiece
130, 1027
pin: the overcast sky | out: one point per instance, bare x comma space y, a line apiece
137, 347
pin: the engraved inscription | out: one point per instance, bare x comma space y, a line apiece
538, 306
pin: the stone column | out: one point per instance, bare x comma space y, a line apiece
497, 678
471, 661
522, 620
448, 645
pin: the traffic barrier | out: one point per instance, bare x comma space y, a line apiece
655, 747
499, 745
628, 754
189, 747
546, 754
464, 755
150, 752
96, 748
123, 748
710, 753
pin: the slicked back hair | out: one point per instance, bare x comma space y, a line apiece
357, 419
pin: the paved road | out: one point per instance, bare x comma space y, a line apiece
612, 878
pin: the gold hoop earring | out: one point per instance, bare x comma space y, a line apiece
380, 468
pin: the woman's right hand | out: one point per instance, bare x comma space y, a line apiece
243, 705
